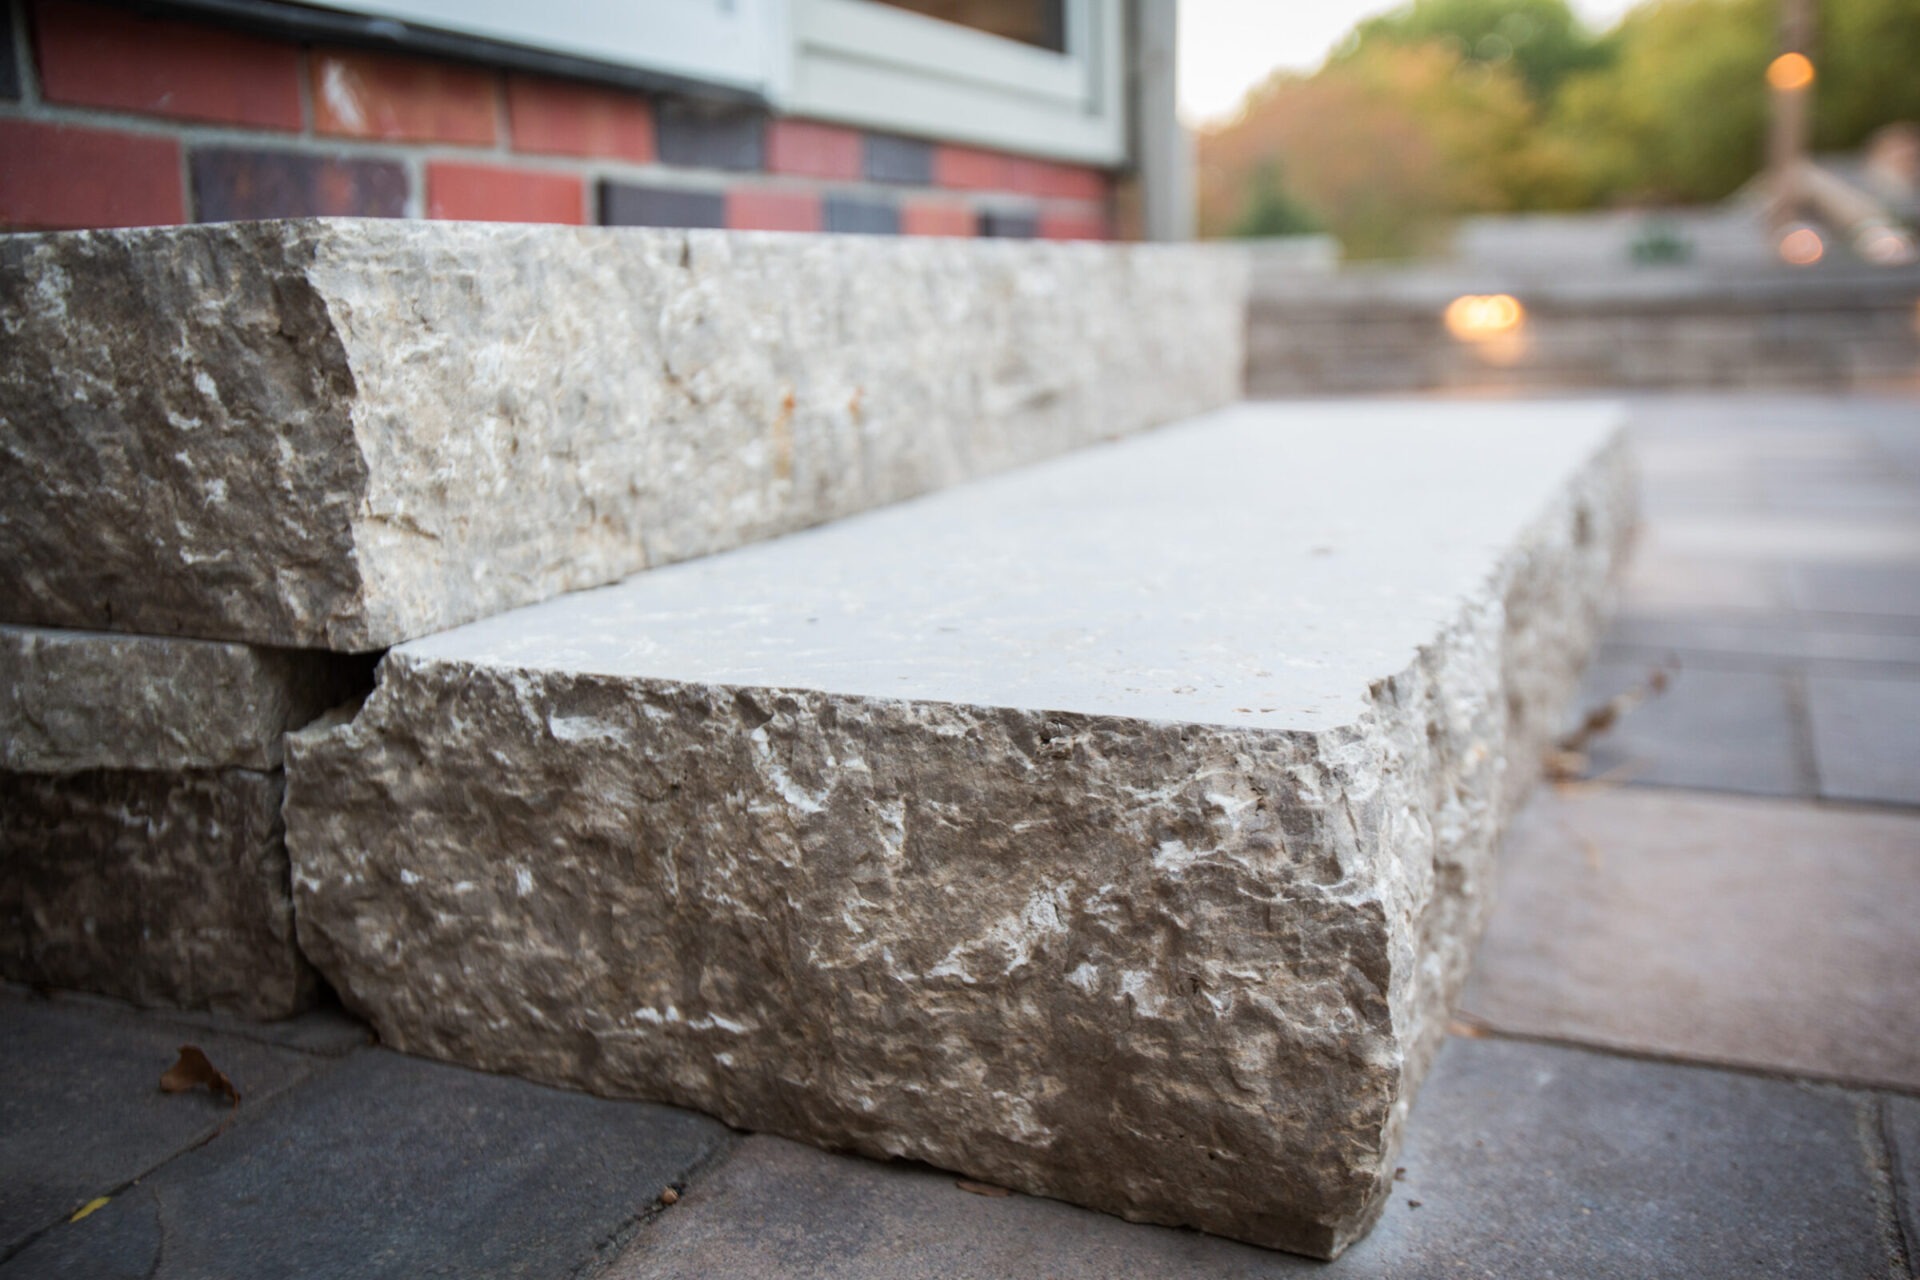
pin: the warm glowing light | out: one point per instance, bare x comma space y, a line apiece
1885, 245
1790, 71
1479, 316
1802, 247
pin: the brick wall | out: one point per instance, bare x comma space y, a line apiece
112, 118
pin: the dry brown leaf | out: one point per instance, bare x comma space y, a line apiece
670, 1196
195, 1069
1466, 1030
1608, 713
980, 1188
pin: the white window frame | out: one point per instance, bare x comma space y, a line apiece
853, 62
736, 43
873, 65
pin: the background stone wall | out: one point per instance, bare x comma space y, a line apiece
1315, 332
111, 118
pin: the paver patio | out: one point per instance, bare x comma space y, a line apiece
1690, 1047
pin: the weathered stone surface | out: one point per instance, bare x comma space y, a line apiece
161, 888
341, 434
1117, 830
78, 700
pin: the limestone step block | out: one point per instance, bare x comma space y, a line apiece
159, 888
141, 845
1116, 830
80, 700
340, 434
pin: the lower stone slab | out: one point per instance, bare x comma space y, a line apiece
159, 888
1117, 831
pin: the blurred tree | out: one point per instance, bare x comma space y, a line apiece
1270, 210
1541, 39
1380, 147
1681, 114
1868, 58
1448, 107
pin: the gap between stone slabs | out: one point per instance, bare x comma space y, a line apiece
1117, 830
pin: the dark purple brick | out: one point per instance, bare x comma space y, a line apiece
705, 138
1009, 226
870, 217
904, 160
9, 57
625, 205
231, 184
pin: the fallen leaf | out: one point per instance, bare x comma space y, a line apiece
670, 1196
1466, 1030
981, 1188
1400, 1174
193, 1070
98, 1202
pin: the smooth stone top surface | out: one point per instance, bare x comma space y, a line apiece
341, 434
1239, 569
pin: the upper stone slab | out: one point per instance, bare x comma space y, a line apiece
343, 434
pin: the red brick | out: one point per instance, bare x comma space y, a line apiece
382, 95
54, 176
970, 169
749, 209
1069, 182
559, 117
99, 56
937, 218
490, 193
1075, 226
814, 150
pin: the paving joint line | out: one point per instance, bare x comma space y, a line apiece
1901, 1229
232, 1121
611, 1249
1479, 1030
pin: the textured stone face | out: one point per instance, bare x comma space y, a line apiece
140, 844
1118, 830
344, 434
157, 888
80, 700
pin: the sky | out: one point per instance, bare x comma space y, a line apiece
1228, 46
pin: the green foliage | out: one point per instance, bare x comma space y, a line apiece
1449, 107
1869, 65
1270, 210
1681, 115
1540, 39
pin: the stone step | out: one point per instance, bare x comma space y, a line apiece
340, 434
1117, 830
142, 852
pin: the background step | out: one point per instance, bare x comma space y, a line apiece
1116, 830
141, 843
340, 434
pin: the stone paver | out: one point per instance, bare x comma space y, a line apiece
392, 1166
1524, 1160
1872, 589
82, 1113
1866, 737
1720, 929
1711, 729
1722, 641
1901, 1131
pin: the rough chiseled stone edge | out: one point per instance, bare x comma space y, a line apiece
143, 369
1391, 825
141, 374
160, 888
84, 700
